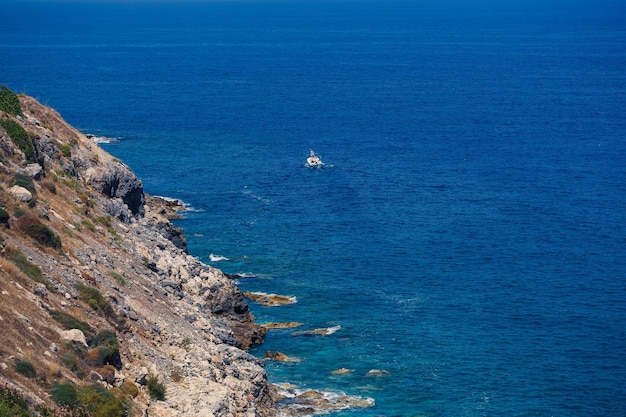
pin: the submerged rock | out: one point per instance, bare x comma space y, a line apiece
286, 325
310, 402
280, 357
269, 300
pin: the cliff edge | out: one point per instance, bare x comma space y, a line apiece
98, 292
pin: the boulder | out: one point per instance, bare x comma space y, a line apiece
32, 170
269, 300
20, 193
74, 335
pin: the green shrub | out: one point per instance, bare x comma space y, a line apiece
24, 181
66, 150
19, 212
42, 234
20, 138
103, 403
70, 322
12, 404
156, 389
25, 368
89, 225
95, 300
27, 267
65, 394
118, 277
9, 102
106, 348
70, 361
4, 216
129, 388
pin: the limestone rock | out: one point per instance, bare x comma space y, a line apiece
20, 193
74, 335
32, 170
269, 300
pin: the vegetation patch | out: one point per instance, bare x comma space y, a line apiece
70, 322
65, 394
42, 234
66, 150
24, 181
119, 278
27, 267
129, 388
25, 368
9, 102
105, 349
20, 138
95, 299
4, 216
12, 404
101, 402
156, 388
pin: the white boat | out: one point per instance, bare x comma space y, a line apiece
313, 160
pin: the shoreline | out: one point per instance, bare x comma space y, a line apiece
173, 317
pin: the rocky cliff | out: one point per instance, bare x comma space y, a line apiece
96, 286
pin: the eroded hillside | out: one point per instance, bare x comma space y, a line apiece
96, 286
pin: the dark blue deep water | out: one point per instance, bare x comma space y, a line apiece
468, 233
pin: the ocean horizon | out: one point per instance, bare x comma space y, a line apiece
464, 245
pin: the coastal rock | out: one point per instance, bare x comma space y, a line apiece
269, 300
308, 402
342, 371
377, 373
280, 357
286, 325
116, 180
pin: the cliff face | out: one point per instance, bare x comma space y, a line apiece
84, 249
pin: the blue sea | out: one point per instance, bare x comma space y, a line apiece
468, 231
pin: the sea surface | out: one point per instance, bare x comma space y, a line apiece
467, 235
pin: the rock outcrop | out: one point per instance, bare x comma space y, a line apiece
97, 287
120, 269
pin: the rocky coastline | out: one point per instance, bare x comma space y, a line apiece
173, 317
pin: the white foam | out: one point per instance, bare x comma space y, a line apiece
217, 258
101, 139
335, 400
333, 329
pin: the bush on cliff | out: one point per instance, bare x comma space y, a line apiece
25, 266
25, 368
20, 138
42, 234
12, 404
9, 102
4, 216
156, 388
95, 299
70, 322
65, 394
24, 181
105, 349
